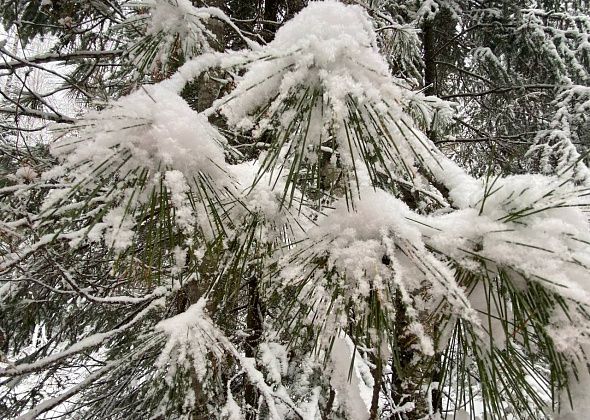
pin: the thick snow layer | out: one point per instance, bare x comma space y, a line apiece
172, 27
329, 48
152, 128
354, 395
527, 226
148, 141
323, 83
379, 247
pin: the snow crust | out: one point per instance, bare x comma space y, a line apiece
354, 394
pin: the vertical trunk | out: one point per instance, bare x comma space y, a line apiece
294, 7
405, 381
377, 377
431, 88
330, 403
429, 58
271, 15
254, 327
430, 84
436, 395
207, 89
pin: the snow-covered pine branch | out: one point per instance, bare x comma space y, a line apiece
301, 248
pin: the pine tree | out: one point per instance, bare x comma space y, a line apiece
247, 213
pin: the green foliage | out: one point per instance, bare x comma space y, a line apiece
162, 262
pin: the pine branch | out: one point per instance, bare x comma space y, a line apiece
503, 89
35, 113
53, 57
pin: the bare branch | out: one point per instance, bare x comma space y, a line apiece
52, 57
35, 113
502, 89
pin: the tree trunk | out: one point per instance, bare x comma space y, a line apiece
294, 7
429, 58
405, 381
271, 15
377, 379
207, 90
254, 319
430, 87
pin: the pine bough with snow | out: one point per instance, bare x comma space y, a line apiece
338, 266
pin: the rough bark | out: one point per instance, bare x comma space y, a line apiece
377, 380
207, 89
406, 377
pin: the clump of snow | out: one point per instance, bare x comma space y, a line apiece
530, 224
152, 128
273, 356
528, 227
325, 85
176, 27
146, 142
26, 173
353, 395
258, 195
118, 229
327, 46
179, 189
190, 340
315, 81
174, 31
377, 248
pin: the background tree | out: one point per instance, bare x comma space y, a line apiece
246, 215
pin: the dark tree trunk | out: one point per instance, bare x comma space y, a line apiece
429, 58
294, 7
207, 90
437, 396
377, 380
430, 87
407, 376
271, 15
254, 320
